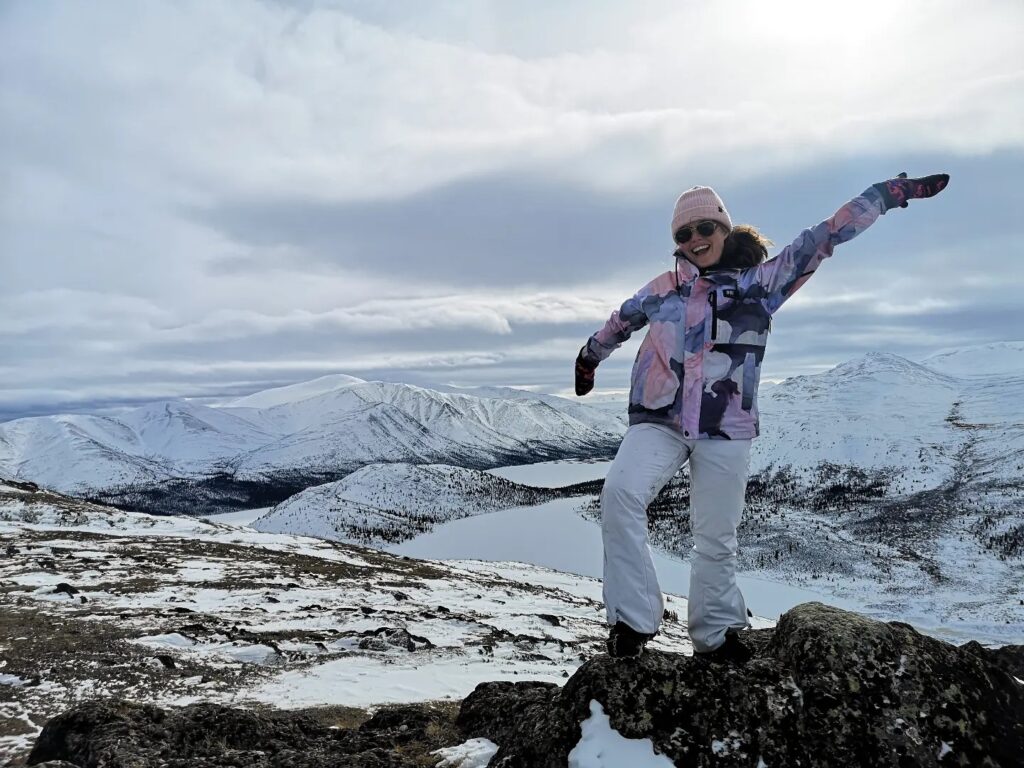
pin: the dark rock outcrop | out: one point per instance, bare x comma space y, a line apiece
111, 734
825, 688
1009, 657
387, 638
525, 701
21, 485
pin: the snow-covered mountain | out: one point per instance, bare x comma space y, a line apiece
954, 419
926, 426
294, 437
294, 392
874, 412
985, 359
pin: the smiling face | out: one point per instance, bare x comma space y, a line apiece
704, 250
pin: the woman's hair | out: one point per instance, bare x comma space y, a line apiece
744, 247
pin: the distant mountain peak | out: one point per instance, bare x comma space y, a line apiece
293, 393
884, 362
997, 357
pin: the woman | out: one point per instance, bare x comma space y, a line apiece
693, 397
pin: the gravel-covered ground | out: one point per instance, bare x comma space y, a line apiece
95, 602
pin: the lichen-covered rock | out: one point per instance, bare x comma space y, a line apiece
388, 638
109, 734
1009, 657
825, 688
886, 693
493, 710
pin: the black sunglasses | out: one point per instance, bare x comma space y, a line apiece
704, 229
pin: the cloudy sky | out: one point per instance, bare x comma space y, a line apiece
202, 199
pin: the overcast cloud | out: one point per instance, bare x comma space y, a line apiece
202, 199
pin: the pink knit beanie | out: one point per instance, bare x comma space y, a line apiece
697, 204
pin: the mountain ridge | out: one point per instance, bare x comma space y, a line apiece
876, 412
185, 454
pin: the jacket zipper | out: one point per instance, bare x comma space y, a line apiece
713, 298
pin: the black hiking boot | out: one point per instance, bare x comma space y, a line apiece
732, 651
625, 642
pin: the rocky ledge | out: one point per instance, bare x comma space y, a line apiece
825, 688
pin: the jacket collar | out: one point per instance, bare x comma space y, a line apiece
686, 270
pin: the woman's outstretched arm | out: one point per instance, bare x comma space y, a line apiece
623, 323
783, 275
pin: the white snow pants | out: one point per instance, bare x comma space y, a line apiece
649, 456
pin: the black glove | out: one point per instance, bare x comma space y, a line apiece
584, 374
896, 192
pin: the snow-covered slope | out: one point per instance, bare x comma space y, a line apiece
378, 421
1001, 357
582, 410
389, 503
173, 610
59, 451
926, 427
192, 437
875, 412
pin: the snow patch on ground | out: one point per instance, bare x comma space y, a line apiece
475, 753
601, 746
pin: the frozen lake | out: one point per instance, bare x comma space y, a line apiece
555, 536
242, 517
554, 474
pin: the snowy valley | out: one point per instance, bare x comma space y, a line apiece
350, 545
97, 602
183, 458
890, 485
144, 640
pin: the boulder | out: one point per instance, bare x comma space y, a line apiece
825, 688
389, 638
1009, 657
112, 734
524, 701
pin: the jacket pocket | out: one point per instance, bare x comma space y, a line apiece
750, 379
653, 383
738, 319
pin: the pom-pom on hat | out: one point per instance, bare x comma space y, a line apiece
697, 204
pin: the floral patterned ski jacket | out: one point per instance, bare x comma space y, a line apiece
698, 369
